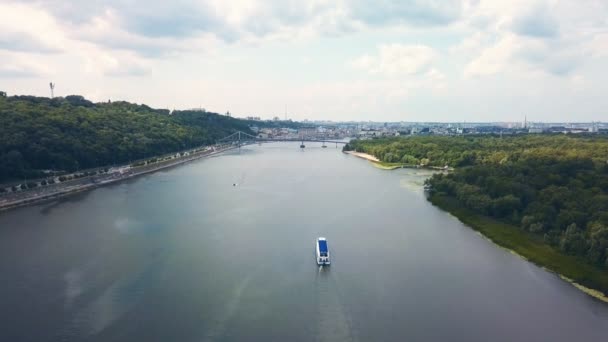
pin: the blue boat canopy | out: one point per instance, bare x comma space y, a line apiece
323, 246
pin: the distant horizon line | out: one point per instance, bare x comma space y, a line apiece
245, 117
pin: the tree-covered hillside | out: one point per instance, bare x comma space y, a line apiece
72, 133
554, 187
459, 151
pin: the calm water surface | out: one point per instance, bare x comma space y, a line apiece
183, 255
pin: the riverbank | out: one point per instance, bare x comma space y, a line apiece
392, 166
375, 161
363, 156
583, 276
89, 183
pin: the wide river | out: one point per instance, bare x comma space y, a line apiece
183, 255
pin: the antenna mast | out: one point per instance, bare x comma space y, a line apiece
52, 86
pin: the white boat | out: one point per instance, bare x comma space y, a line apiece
322, 252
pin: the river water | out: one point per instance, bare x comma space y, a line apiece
183, 255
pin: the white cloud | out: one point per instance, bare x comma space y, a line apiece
436, 79
41, 34
105, 31
493, 59
17, 65
536, 22
405, 12
598, 46
21, 41
117, 65
296, 51
549, 37
397, 59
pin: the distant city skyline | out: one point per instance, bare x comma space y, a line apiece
346, 60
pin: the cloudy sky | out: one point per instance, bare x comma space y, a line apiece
381, 60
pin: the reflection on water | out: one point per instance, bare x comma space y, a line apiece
111, 304
413, 179
73, 286
218, 325
333, 321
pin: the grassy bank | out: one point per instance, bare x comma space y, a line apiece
392, 166
530, 247
387, 166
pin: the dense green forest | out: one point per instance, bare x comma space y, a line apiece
73, 133
554, 187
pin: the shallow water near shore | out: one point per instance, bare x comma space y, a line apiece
185, 255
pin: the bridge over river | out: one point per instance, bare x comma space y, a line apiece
241, 138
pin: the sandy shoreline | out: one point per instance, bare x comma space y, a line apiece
363, 155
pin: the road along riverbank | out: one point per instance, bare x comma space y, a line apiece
84, 184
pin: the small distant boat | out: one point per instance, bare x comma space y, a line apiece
322, 252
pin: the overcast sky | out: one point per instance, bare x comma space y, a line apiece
380, 60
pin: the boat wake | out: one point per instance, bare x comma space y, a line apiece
219, 326
333, 321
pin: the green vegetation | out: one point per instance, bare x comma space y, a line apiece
544, 196
386, 166
71, 133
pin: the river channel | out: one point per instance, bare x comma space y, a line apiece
222, 249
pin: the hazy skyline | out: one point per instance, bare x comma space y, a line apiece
335, 60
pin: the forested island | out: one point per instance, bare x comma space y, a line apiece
65, 134
543, 196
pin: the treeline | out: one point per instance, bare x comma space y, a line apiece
66, 134
553, 186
